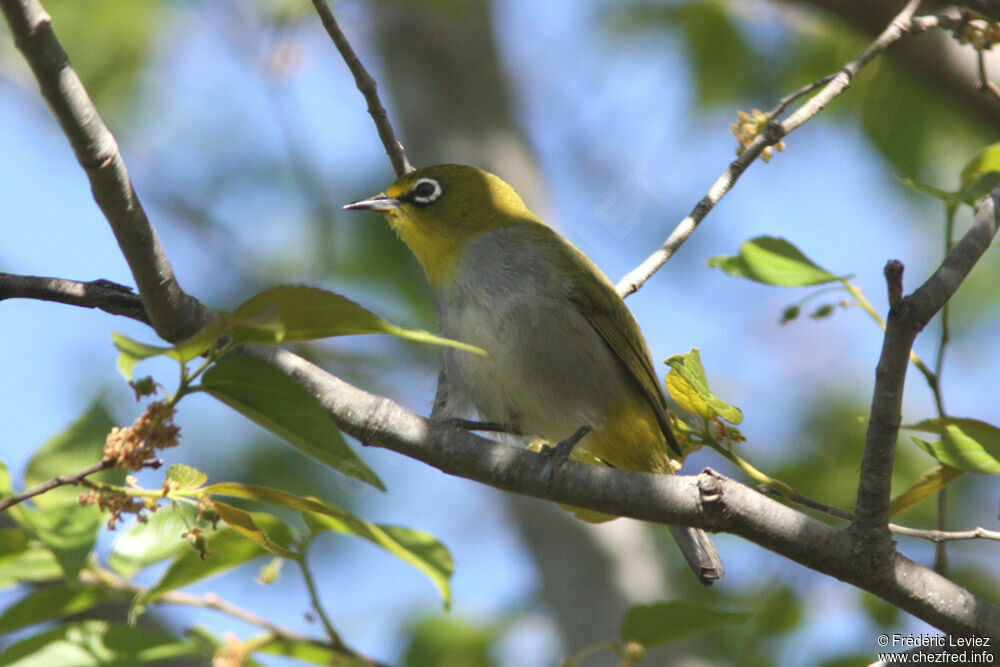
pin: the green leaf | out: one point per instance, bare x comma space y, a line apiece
68, 530
79, 446
32, 564
144, 544
307, 651
927, 485
131, 352
988, 161
296, 313
228, 548
49, 603
416, 547
665, 622
773, 261
243, 522
270, 398
687, 384
447, 640
969, 444
97, 643
186, 477
6, 487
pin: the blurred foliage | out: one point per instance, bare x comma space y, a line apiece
449, 641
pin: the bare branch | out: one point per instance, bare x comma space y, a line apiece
104, 294
58, 480
366, 84
770, 135
906, 319
978, 533
174, 314
707, 501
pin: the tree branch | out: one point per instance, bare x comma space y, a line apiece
707, 500
58, 480
366, 84
770, 135
103, 294
174, 314
906, 319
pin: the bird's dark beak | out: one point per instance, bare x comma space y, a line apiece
379, 203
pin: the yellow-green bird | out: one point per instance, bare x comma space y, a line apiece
563, 351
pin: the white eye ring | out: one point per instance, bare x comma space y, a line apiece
421, 194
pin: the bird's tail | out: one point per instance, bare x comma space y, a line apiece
699, 552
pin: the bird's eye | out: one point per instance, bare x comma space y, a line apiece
424, 191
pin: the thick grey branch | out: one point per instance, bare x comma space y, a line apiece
906, 319
707, 500
174, 314
104, 294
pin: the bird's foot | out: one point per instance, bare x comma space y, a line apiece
561, 450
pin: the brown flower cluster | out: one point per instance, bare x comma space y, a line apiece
980, 34
117, 503
131, 447
747, 127
233, 654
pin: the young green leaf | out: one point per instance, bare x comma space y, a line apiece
772, 261
131, 352
309, 651
186, 477
45, 604
686, 383
270, 398
986, 162
969, 444
665, 622
68, 530
34, 563
296, 313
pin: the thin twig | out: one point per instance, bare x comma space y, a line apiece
770, 135
175, 315
58, 480
314, 599
366, 84
103, 577
984, 82
934, 535
103, 294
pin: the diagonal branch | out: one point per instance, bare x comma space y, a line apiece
770, 135
907, 317
366, 84
103, 294
708, 500
174, 314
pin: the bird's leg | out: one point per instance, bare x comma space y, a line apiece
562, 449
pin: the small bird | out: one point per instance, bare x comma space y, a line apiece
563, 350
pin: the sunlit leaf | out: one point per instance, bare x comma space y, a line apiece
243, 522
33, 563
313, 652
185, 477
927, 485
772, 261
259, 391
228, 548
665, 622
416, 547
969, 444
988, 161
296, 313
686, 383
131, 352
